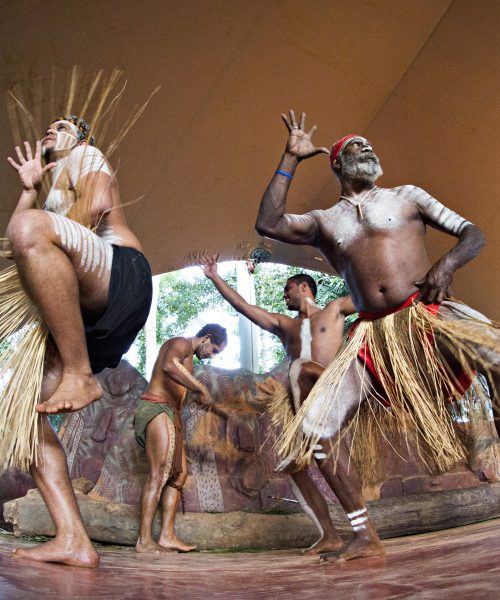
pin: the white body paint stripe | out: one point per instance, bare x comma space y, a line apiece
305, 340
94, 252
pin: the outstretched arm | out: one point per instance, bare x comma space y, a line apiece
262, 318
272, 220
436, 285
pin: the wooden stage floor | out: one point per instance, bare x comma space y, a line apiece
451, 564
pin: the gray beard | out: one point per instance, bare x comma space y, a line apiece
366, 170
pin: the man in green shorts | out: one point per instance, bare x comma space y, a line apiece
158, 430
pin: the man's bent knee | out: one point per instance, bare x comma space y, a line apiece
27, 229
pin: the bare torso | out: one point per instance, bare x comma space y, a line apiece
161, 384
321, 344
108, 219
381, 255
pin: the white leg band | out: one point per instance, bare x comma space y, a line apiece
356, 513
359, 521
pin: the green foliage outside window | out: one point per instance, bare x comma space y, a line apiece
182, 299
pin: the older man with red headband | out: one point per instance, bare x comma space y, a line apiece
412, 349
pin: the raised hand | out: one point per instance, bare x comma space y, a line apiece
299, 142
208, 265
30, 169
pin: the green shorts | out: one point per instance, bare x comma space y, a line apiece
144, 414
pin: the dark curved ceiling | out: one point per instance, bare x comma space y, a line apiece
419, 79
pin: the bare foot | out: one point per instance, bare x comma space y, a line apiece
366, 544
75, 391
174, 543
79, 553
330, 543
152, 548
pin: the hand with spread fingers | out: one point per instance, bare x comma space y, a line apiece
299, 142
30, 169
208, 265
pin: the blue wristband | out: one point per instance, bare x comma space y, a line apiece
284, 173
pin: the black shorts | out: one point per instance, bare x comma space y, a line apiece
129, 301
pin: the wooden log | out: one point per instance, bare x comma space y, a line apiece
118, 523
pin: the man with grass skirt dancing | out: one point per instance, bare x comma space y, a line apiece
84, 271
412, 350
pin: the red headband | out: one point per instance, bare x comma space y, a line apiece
340, 145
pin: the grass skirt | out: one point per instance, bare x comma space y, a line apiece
418, 384
23, 338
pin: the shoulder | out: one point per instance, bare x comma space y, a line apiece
176, 344
340, 307
87, 159
84, 151
333, 307
320, 213
406, 191
284, 321
410, 192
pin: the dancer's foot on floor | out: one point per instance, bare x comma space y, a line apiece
331, 543
173, 543
366, 544
152, 548
77, 553
485, 459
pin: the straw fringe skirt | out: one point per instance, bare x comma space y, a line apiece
417, 381
23, 337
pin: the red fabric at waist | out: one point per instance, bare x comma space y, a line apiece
462, 380
365, 315
155, 399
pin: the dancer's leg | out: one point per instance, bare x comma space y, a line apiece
65, 269
315, 506
303, 375
71, 544
339, 471
483, 459
169, 503
157, 454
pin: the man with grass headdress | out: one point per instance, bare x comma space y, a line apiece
413, 349
84, 271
